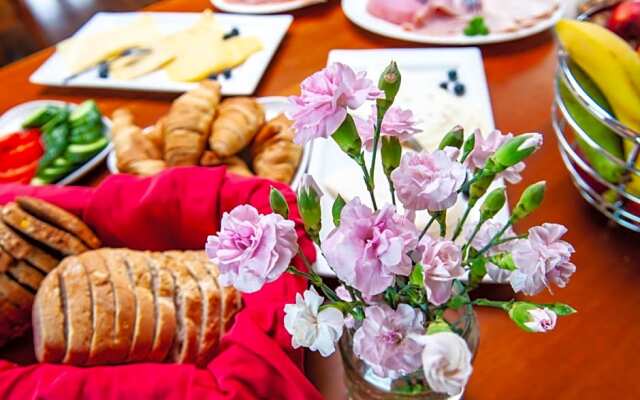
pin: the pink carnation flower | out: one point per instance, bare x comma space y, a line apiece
252, 249
383, 341
324, 98
542, 258
429, 181
397, 122
441, 262
485, 147
369, 248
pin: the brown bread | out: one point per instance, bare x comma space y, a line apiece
163, 295
26, 275
60, 218
145, 311
78, 310
48, 318
18, 248
41, 231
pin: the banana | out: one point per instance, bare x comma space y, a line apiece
614, 67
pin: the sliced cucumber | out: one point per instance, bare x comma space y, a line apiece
86, 113
77, 153
56, 120
38, 181
86, 134
52, 174
61, 162
41, 116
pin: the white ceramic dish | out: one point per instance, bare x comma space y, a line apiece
244, 79
356, 11
422, 70
273, 106
11, 121
270, 8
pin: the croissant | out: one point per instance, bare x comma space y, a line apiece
238, 121
187, 125
275, 155
131, 145
234, 164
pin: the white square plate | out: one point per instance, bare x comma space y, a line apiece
422, 72
244, 79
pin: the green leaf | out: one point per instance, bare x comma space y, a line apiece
478, 271
561, 309
416, 278
336, 210
458, 301
347, 138
503, 261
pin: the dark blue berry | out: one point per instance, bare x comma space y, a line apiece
444, 85
227, 73
233, 32
103, 70
459, 89
213, 77
126, 52
453, 75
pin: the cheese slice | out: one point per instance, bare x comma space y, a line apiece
85, 51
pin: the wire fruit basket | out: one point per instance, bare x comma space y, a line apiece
611, 198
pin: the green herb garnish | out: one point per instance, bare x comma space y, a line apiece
476, 27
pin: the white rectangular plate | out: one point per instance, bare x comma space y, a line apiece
422, 71
244, 79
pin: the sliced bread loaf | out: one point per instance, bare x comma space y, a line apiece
163, 295
145, 310
49, 328
78, 310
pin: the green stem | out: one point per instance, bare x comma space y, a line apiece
509, 239
503, 305
368, 181
316, 280
495, 239
392, 189
467, 246
460, 225
376, 140
426, 228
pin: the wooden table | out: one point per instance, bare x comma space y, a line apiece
591, 355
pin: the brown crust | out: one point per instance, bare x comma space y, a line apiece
49, 340
163, 294
78, 311
26, 275
21, 250
231, 301
188, 302
211, 306
60, 218
15, 304
5, 260
41, 231
145, 312
125, 304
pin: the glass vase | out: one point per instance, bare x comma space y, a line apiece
363, 384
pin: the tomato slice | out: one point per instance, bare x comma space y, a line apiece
21, 174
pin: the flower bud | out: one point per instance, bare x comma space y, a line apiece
529, 201
391, 154
532, 318
336, 210
309, 206
516, 150
389, 83
437, 326
278, 203
480, 187
468, 146
493, 203
347, 138
453, 138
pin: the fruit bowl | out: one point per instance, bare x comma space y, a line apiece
600, 152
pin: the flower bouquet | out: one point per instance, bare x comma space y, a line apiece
402, 313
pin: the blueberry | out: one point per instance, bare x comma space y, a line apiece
103, 70
444, 85
233, 32
126, 52
459, 89
213, 77
453, 75
227, 73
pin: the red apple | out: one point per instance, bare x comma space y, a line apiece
625, 20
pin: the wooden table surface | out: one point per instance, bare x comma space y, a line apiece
590, 355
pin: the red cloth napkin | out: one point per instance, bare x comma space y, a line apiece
176, 210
